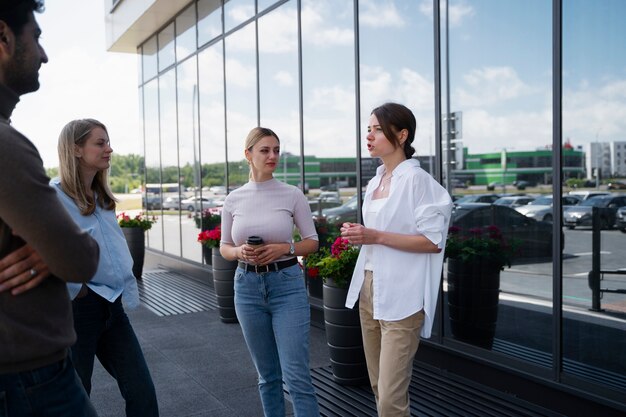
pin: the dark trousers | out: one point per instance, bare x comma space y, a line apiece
103, 330
50, 391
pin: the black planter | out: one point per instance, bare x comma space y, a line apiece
207, 254
314, 286
473, 293
135, 240
224, 284
343, 334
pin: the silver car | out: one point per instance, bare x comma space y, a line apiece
197, 203
541, 207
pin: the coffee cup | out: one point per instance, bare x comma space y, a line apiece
254, 241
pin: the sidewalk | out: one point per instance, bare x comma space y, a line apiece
200, 366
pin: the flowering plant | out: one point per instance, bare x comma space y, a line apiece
140, 220
337, 263
208, 219
211, 238
485, 243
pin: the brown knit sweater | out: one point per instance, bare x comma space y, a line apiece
36, 327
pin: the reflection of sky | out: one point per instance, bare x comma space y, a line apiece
500, 71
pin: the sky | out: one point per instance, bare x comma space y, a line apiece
500, 73
80, 80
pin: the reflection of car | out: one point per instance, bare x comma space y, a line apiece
457, 183
197, 203
325, 200
580, 215
344, 213
493, 185
541, 207
330, 196
171, 203
535, 237
621, 219
152, 201
616, 185
514, 201
478, 198
522, 184
587, 194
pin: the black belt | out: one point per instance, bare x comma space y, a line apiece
273, 267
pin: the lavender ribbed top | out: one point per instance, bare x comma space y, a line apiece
268, 209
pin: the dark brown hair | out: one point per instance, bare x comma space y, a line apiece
393, 118
15, 12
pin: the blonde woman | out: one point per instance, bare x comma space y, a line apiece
270, 297
101, 325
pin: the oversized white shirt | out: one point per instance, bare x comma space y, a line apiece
406, 282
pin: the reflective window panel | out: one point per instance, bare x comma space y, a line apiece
209, 20
241, 100
499, 105
594, 255
329, 111
278, 85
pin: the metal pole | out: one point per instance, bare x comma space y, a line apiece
594, 275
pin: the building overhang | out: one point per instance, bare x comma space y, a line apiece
129, 23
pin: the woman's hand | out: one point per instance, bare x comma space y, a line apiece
22, 270
268, 253
357, 234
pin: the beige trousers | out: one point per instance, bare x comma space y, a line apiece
390, 348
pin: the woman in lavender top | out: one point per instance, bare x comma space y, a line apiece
270, 297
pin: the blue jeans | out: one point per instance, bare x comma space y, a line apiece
273, 311
103, 330
52, 390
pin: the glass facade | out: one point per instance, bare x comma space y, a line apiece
509, 99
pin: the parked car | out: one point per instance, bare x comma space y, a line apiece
522, 184
457, 183
172, 203
580, 215
151, 202
197, 203
514, 201
585, 194
535, 237
541, 207
347, 212
621, 219
616, 185
478, 198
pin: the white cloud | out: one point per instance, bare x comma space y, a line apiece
240, 74
457, 13
278, 32
284, 78
592, 110
490, 85
378, 14
317, 29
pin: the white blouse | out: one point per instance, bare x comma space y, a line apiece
406, 282
369, 218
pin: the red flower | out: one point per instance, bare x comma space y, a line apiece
313, 272
339, 246
211, 238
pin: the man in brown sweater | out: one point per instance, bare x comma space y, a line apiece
36, 329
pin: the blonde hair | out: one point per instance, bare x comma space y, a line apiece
75, 133
257, 134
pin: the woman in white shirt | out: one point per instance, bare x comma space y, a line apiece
396, 278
